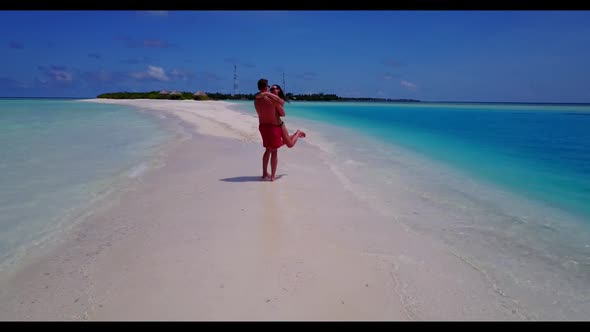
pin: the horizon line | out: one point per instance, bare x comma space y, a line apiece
421, 101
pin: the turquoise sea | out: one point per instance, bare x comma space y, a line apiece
506, 187
541, 151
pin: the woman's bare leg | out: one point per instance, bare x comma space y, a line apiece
292, 139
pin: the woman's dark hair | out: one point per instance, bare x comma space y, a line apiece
281, 94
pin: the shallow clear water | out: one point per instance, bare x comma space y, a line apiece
57, 156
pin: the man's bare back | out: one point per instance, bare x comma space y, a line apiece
267, 106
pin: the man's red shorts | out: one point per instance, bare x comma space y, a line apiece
272, 135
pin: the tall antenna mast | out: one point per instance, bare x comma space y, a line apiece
235, 81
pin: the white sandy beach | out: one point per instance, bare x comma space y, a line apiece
202, 238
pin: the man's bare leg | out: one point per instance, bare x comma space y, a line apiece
292, 139
265, 159
274, 161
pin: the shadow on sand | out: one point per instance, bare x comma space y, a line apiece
249, 178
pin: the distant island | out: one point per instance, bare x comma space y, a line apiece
199, 95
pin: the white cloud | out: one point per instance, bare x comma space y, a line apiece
408, 85
60, 75
180, 74
55, 74
154, 72
157, 73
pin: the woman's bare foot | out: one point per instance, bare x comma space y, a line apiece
265, 176
272, 178
301, 133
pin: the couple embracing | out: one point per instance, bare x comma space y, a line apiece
269, 107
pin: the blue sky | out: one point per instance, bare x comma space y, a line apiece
519, 56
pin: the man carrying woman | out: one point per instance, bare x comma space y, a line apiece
269, 107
